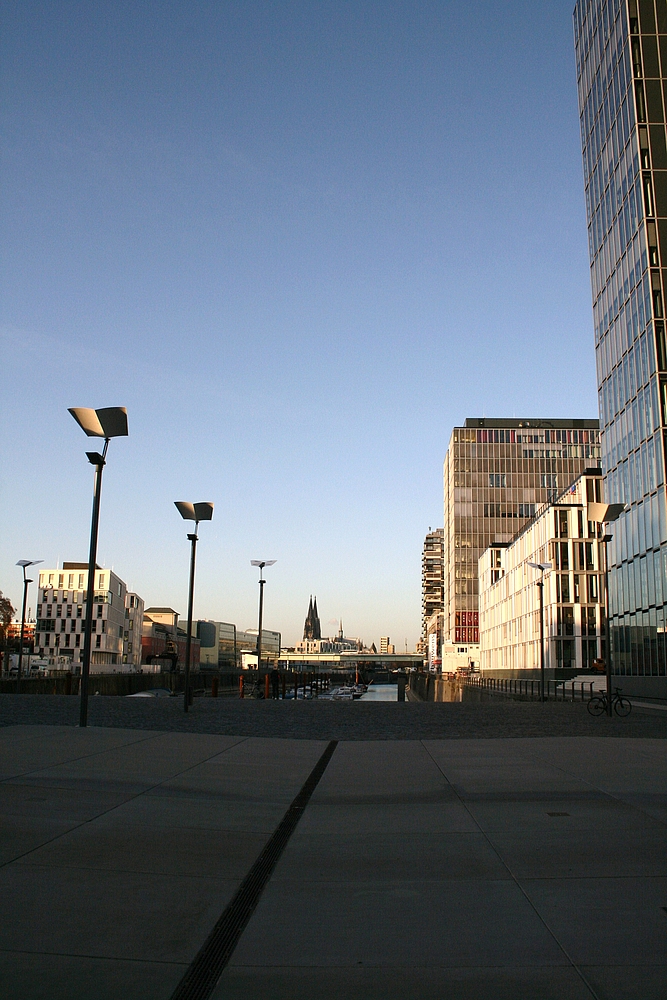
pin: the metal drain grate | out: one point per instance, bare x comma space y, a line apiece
203, 974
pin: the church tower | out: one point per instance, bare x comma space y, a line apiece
311, 628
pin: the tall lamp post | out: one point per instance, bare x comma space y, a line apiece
26, 583
543, 567
605, 513
192, 512
106, 423
262, 581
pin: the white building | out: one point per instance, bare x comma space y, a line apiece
563, 534
61, 614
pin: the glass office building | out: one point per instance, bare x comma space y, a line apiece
497, 474
621, 59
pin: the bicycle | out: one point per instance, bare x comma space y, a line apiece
598, 703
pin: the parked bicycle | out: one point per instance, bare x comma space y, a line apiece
598, 703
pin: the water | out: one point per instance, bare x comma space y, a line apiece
381, 692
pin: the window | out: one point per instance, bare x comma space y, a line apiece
77, 639
61, 581
79, 611
497, 480
63, 626
561, 555
548, 481
70, 580
592, 595
100, 582
563, 588
58, 610
576, 589
67, 640
98, 641
73, 626
69, 610
104, 625
100, 610
81, 581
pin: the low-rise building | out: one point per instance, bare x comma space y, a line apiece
163, 643
564, 534
61, 614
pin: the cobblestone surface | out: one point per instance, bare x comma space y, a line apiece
328, 720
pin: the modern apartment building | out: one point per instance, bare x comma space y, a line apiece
134, 623
61, 613
566, 535
432, 578
621, 58
497, 473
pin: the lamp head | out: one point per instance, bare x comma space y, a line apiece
262, 562
605, 512
29, 562
108, 422
194, 511
541, 566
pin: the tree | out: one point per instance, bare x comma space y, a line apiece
7, 612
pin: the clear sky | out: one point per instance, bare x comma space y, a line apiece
300, 242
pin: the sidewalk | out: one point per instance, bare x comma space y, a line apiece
499, 868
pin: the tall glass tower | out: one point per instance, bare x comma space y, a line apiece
621, 55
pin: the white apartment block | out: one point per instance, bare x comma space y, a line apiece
574, 589
61, 614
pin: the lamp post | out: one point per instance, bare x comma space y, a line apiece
605, 513
106, 423
540, 583
26, 583
262, 581
192, 512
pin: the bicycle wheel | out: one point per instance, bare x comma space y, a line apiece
596, 706
622, 706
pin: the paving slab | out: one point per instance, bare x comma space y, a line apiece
420, 868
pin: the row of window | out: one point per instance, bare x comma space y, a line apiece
520, 511
612, 291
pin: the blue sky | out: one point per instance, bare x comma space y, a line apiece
299, 242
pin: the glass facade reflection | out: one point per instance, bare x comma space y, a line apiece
621, 58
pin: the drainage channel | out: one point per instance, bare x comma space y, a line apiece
208, 965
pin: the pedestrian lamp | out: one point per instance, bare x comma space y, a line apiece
543, 567
26, 583
261, 563
605, 513
106, 423
192, 512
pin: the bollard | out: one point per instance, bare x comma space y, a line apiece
241, 691
266, 687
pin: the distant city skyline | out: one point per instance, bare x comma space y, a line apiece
300, 244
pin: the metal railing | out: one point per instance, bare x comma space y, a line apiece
516, 687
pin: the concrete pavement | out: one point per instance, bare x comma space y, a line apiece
459, 868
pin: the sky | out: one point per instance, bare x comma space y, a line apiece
299, 242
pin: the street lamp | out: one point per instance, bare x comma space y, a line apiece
605, 513
262, 581
543, 567
192, 512
26, 583
106, 423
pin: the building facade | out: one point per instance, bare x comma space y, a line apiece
497, 473
134, 623
61, 614
432, 578
621, 58
566, 535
